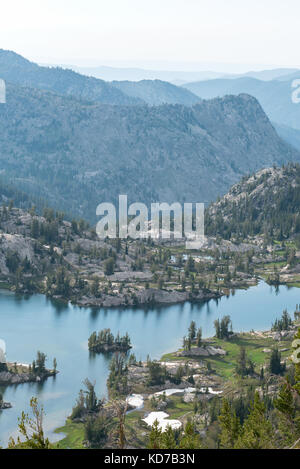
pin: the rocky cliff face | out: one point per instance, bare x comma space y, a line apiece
266, 202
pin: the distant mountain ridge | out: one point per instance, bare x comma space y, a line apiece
290, 135
176, 77
267, 75
138, 74
20, 71
275, 96
156, 92
17, 70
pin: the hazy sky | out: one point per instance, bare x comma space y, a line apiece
165, 33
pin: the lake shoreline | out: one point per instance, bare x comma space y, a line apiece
146, 298
36, 322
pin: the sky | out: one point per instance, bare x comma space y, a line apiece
229, 35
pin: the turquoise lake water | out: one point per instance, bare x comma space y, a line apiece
62, 331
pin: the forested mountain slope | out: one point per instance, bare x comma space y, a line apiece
20, 71
156, 92
275, 96
76, 154
267, 202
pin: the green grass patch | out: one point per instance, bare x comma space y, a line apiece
74, 436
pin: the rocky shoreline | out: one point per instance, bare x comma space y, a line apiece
147, 297
8, 378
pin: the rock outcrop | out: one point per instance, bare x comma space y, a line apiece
206, 351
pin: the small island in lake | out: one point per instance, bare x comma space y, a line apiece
4, 405
19, 373
105, 341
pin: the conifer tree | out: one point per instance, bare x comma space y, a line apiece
168, 440
257, 432
230, 426
191, 439
286, 408
155, 436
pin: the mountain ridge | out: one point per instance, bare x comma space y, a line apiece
275, 96
17, 70
266, 202
156, 92
78, 154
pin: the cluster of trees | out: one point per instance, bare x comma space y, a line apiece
58, 283
117, 381
87, 402
105, 341
47, 231
275, 366
194, 337
284, 323
31, 430
263, 428
19, 199
97, 429
174, 439
158, 374
39, 364
223, 328
19, 268
244, 366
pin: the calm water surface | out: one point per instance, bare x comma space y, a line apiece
62, 331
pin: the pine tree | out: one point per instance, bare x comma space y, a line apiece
31, 429
286, 408
275, 362
257, 432
190, 439
230, 426
155, 436
285, 401
192, 330
217, 328
168, 440
241, 367
199, 337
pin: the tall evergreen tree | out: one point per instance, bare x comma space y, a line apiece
257, 432
285, 405
230, 426
155, 436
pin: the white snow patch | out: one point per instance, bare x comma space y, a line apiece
210, 390
170, 392
136, 400
163, 421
